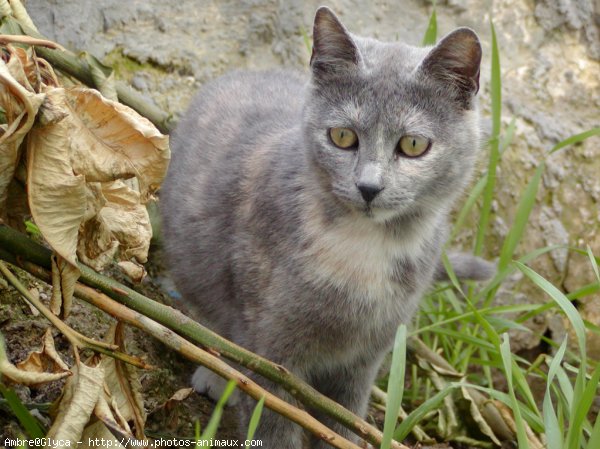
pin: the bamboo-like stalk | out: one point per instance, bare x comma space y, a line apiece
199, 356
75, 338
21, 247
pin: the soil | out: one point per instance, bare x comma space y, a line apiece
23, 331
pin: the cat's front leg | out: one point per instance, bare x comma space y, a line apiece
349, 386
274, 431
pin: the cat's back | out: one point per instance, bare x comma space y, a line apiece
225, 124
228, 122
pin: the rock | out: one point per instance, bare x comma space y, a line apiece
549, 52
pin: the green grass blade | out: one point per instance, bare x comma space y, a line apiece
581, 406
508, 134
474, 195
215, 419
553, 429
307, 40
254, 420
488, 194
575, 139
594, 440
594, 262
508, 365
433, 403
580, 389
562, 301
431, 32
395, 387
29, 423
517, 229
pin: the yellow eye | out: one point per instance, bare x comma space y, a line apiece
413, 146
343, 138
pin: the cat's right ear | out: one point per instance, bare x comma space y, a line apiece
334, 51
455, 61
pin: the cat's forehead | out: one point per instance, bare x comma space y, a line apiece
392, 57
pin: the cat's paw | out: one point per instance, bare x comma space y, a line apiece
212, 385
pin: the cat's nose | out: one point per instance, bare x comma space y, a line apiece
369, 191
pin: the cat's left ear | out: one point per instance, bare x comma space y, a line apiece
334, 51
455, 60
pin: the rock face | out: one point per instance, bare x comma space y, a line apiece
550, 55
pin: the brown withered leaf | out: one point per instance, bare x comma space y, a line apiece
23, 376
57, 195
20, 105
105, 161
44, 360
106, 427
115, 142
64, 278
78, 401
134, 271
121, 224
168, 412
127, 220
123, 388
509, 419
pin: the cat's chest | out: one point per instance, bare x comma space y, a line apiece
368, 263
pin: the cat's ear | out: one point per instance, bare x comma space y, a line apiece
455, 60
333, 50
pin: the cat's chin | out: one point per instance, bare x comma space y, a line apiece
381, 215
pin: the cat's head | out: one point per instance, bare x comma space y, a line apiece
393, 128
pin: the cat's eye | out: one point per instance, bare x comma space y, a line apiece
343, 138
413, 146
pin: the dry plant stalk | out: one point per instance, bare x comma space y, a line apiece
202, 357
19, 246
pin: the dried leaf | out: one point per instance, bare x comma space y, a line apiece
57, 195
20, 106
44, 360
168, 413
127, 220
80, 396
107, 428
115, 142
24, 377
483, 425
105, 161
64, 278
507, 415
27, 377
20, 376
134, 271
36, 294
123, 387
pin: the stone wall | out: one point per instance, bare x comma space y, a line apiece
550, 51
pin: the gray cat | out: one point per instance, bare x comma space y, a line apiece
304, 216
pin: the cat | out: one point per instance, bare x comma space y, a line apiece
304, 216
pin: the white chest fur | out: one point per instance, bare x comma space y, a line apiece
357, 255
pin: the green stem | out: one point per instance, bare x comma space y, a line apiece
75, 66
19, 246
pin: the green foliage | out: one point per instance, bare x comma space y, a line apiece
27, 421
395, 386
464, 328
431, 32
254, 420
213, 423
